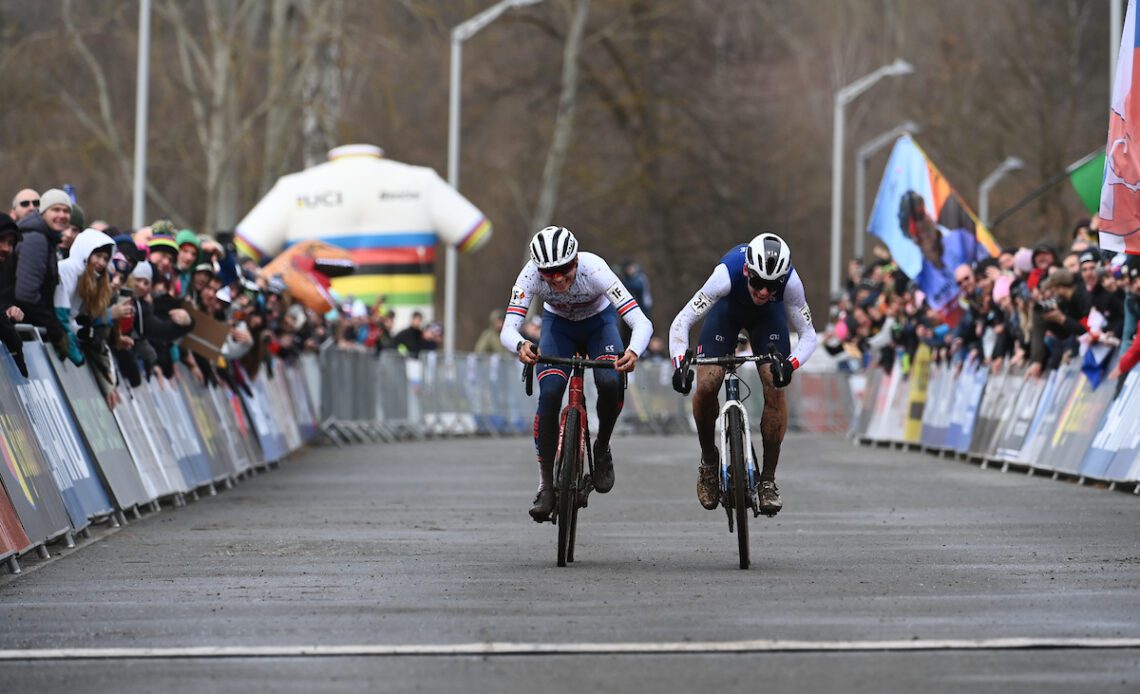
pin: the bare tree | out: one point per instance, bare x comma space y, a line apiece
564, 122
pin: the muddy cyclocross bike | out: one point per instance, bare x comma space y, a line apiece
738, 479
574, 460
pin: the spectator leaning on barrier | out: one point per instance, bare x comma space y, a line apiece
55, 208
1043, 257
37, 274
24, 202
1057, 321
10, 314
83, 304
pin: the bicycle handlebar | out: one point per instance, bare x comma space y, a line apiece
685, 369
576, 362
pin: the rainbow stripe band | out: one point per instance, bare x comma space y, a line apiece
476, 236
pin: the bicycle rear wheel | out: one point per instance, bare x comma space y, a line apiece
568, 486
739, 482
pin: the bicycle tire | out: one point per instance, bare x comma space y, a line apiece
739, 483
567, 484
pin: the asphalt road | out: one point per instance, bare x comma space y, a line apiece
414, 557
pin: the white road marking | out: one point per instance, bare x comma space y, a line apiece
517, 649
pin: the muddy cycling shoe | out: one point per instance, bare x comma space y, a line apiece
708, 486
770, 501
543, 505
603, 469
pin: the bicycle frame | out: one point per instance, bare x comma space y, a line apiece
576, 401
732, 401
577, 481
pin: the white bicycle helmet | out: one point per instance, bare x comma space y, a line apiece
768, 257
553, 247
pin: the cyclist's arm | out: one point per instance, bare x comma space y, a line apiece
521, 295
716, 287
799, 317
631, 313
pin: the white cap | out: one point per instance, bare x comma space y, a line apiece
143, 271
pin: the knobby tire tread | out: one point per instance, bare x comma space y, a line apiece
739, 483
567, 477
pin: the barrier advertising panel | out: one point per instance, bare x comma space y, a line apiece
1078, 426
939, 405
969, 388
919, 390
148, 446
999, 391
178, 429
235, 447
1115, 447
874, 380
1019, 418
1058, 391
268, 433
13, 539
201, 425
24, 471
101, 433
60, 440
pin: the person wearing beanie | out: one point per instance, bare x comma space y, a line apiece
37, 274
189, 248
10, 314
52, 198
163, 253
78, 224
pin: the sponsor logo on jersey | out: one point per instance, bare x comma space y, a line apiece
517, 294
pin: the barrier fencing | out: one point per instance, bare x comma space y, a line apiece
1059, 424
70, 460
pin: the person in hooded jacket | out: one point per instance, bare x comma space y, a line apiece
83, 303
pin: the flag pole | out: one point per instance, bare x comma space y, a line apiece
1043, 188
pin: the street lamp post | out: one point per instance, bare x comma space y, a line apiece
862, 156
842, 97
1010, 164
460, 34
142, 86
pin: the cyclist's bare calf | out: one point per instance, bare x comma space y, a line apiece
706, 407
773, 424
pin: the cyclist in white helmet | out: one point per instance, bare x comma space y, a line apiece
582, 301
755, 288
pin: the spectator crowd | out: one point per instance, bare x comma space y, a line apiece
123, 302
1035, 308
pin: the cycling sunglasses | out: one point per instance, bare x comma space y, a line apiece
758, 283
33, 203
561, 270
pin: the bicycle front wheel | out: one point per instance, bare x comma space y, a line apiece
739, 482
568, 484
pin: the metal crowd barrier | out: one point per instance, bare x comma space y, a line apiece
482, 394
70, 460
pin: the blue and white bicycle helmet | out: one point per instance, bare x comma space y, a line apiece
768, 257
